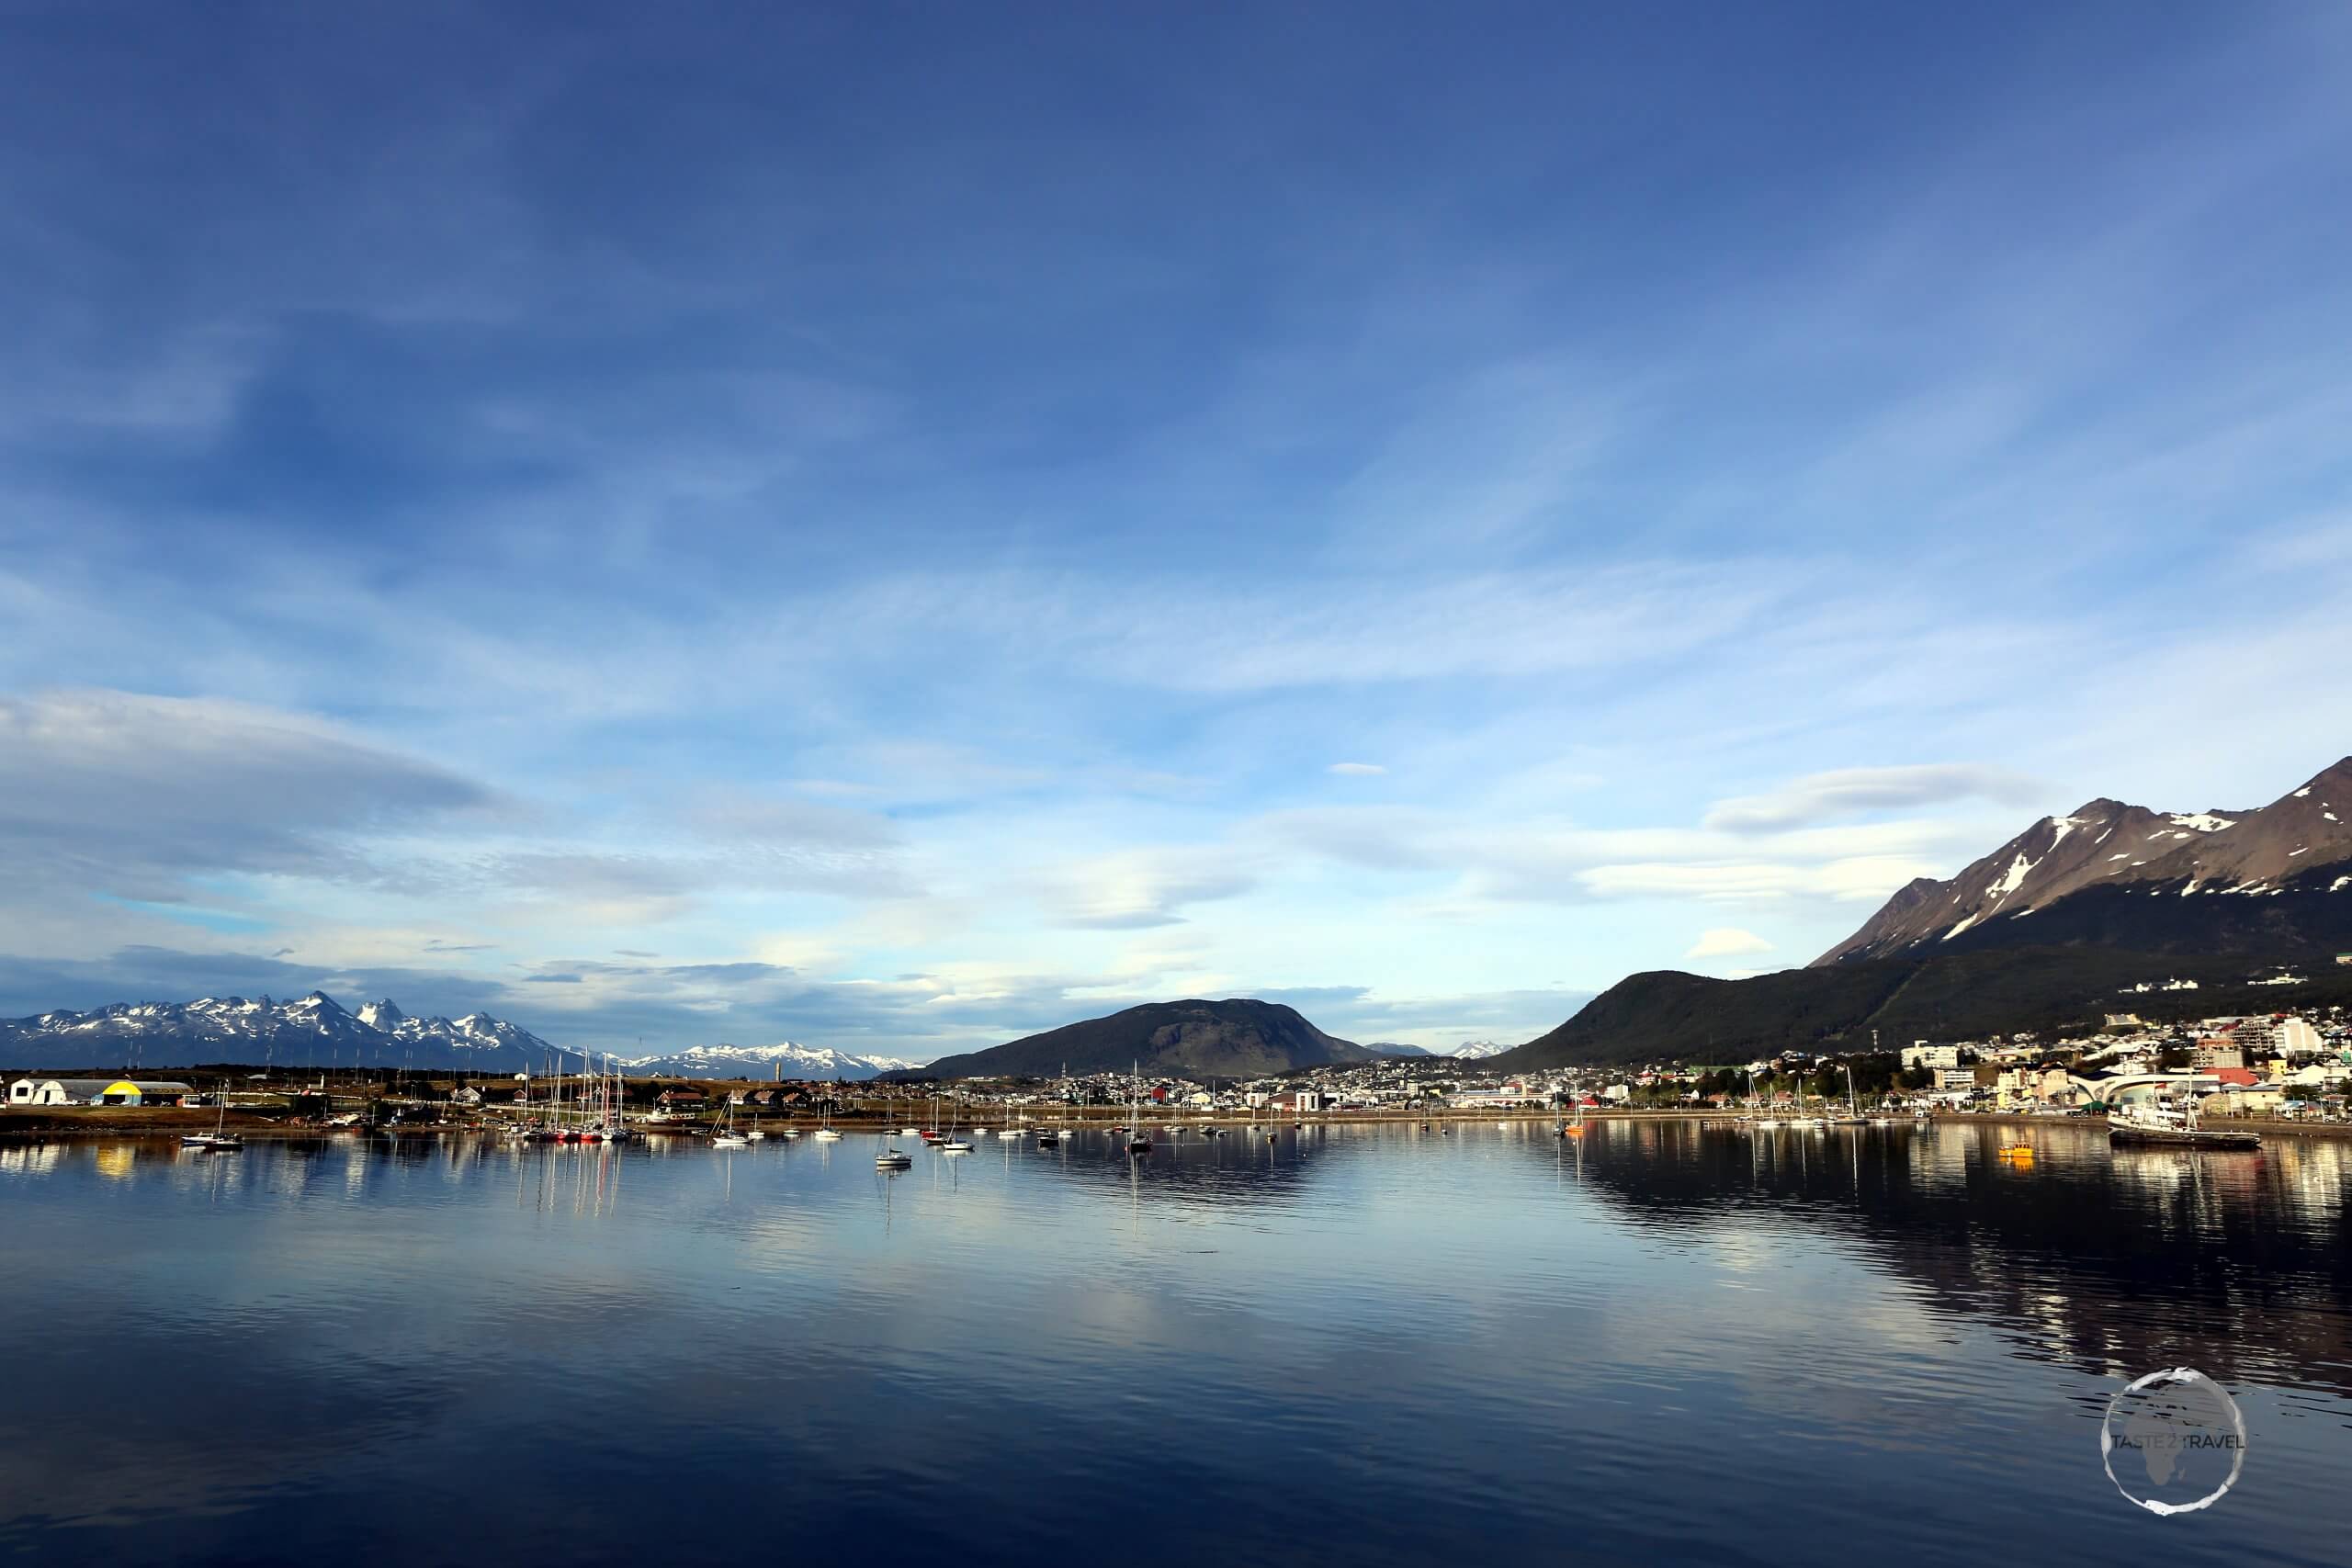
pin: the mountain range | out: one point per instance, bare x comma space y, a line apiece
314, 1030
1236, 1038
1469, 1050
2093, 912
2269, 882
783, 1060
2090, 913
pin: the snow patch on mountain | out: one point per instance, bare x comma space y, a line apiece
2019, 869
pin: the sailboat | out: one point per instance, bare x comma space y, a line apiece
220, 1140
951, 1144
728, 1137
1138, 1141
1853, 1117
1763, 1124
825, 1133
1575, 1129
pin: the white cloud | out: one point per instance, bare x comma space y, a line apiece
1726, 941
1133, 889
105, 792
1357, 769
1850, 792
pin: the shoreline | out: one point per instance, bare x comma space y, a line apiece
72, 1121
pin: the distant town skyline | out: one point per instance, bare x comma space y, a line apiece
898, 537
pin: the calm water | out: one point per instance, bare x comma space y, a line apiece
1363, 1344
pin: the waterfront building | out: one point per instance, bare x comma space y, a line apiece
97, 1091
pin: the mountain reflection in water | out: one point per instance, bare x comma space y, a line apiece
1659, 1342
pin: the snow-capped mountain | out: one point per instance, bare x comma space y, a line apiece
2100, 862
782, 1060
311, 1030
1478, 1050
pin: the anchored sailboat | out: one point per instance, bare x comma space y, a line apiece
1138, 1141
220, 1140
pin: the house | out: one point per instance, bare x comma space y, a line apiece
2238, 1099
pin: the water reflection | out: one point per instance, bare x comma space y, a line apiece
2117, 1259
1383, 1343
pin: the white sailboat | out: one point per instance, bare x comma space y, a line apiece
1853, 1117
728, 1137
220, 1140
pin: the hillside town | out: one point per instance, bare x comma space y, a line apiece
2278, 1064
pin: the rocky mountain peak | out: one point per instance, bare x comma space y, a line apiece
2115, 847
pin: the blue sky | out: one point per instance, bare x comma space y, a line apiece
895, 527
